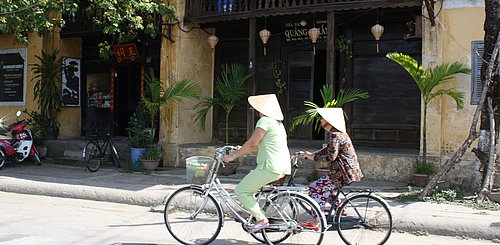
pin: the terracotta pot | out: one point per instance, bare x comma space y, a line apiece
150, 164
420, 179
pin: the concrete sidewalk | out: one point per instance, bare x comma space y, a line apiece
112, 185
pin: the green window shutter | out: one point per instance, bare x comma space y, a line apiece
476, 62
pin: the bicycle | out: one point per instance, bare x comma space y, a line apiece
194, 214
94, 152
360, 218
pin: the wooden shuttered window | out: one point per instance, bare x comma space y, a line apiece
476, 61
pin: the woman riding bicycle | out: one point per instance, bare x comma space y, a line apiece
340, 153
273, 156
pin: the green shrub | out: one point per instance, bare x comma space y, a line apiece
40, 125
139, 137
425, 168
441, 196
154, 152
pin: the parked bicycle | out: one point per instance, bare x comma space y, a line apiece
361, 217
194, 214
100, 149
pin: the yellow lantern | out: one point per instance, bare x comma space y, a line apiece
212, 41
377, 31
313, 35
264, 36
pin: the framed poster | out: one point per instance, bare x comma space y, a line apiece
13, 74
71, 82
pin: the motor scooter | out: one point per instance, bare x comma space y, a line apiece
19, 146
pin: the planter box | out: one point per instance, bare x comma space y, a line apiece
150, 164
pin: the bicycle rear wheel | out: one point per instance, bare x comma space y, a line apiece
364, 219
92, 155
295, 219
191, 217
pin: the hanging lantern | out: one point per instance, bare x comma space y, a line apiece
313, 35
212, 41
264, 36
377, 31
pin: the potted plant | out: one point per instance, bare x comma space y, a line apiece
151, 157
230, 88
429, 80
139, 139
156, 96
47, 75
422, 172
39, 126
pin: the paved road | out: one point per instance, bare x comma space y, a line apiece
29, 219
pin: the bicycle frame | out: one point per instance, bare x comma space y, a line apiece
223, 195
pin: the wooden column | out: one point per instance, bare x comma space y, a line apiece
251, 69
330, 49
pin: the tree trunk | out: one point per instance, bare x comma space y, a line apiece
489, 170
424, 134
490, 111
472, 132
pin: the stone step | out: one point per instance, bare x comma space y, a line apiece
73, 161
73, 153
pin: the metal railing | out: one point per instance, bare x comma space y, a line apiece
214, 10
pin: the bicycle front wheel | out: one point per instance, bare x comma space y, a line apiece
191, 217
295, 219
92, 155
116, 157
363, 219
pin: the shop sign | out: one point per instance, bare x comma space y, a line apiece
295, 33
13, 66
125, 52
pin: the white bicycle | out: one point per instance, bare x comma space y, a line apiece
194, 214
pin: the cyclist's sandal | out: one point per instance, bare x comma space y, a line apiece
258, 227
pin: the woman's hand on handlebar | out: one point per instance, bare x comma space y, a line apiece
306, 155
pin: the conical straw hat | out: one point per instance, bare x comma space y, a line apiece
267, 104
334, 116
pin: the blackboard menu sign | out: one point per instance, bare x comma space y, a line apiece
13, 65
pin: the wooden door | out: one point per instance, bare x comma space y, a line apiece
300, 88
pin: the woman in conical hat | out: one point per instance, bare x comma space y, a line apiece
273, 156
340, 153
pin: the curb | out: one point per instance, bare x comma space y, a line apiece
140, 198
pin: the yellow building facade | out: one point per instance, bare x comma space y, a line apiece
458, 23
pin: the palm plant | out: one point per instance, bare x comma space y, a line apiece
429, 79
47, 90
231, 87
156, 96
327, 93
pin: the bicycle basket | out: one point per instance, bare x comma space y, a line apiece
198, 169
